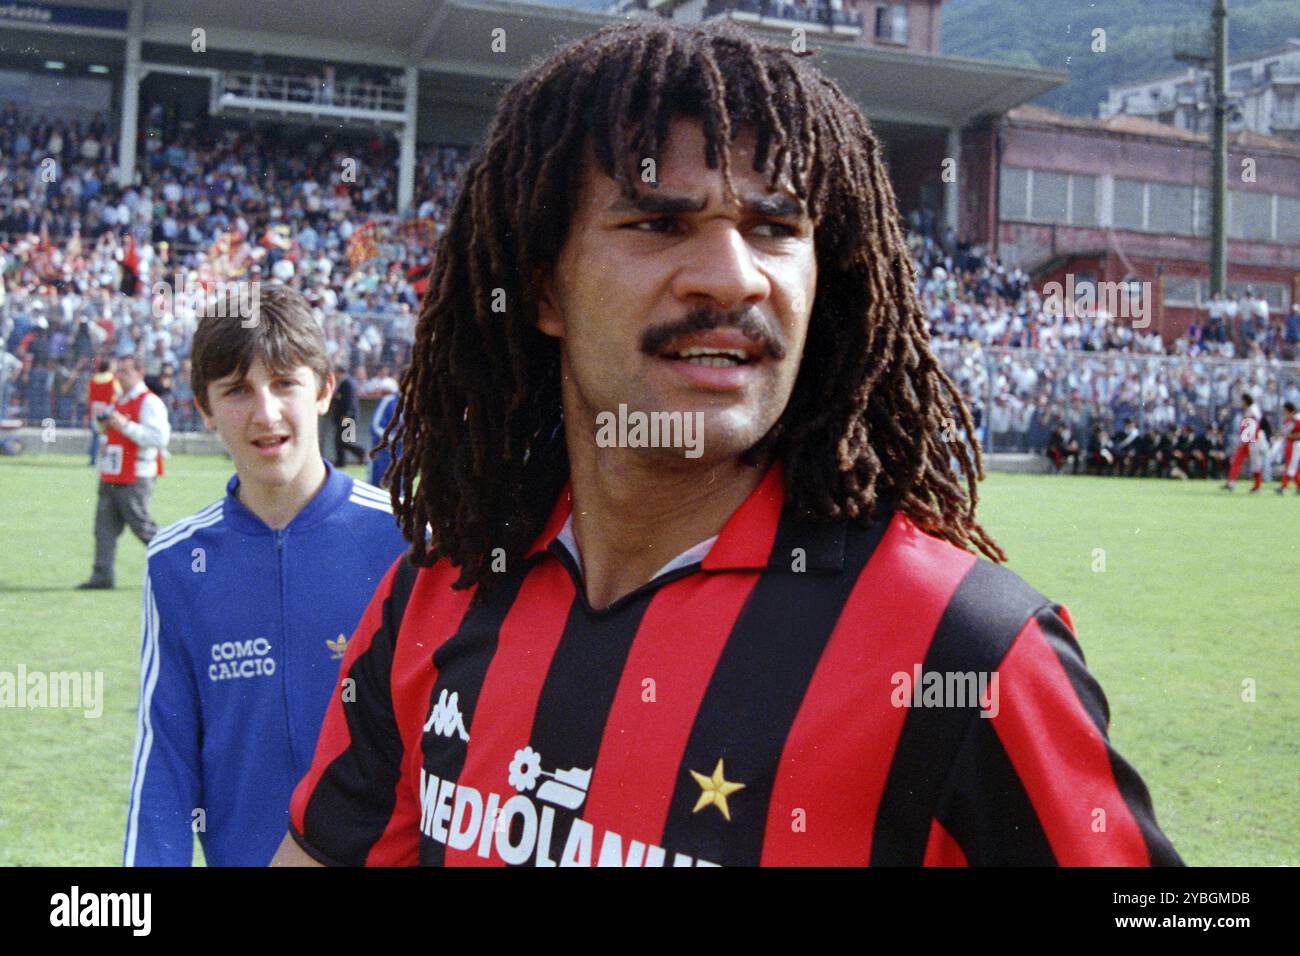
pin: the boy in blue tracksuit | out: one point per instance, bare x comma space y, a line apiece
248, 605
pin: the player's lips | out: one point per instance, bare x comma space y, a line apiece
270, 446
717, 359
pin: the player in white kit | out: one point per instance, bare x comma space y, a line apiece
1251, 443
1290, 434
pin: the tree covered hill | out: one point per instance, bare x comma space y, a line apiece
1058, 35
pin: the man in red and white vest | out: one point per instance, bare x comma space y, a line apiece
130, 459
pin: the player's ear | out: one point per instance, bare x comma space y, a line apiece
326, 393
549, 318
208, 421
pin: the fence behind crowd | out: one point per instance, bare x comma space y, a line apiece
47, 384
1017, 396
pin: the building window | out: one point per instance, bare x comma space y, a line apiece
1049, 197
891, 23
1013, 194
1250, 215
1170, 209
1286, 108
1204, 199
1040, 195
1288, 219
1275, 294
1182, 290
1128, 204
1083, 200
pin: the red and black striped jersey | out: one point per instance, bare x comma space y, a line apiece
809, 693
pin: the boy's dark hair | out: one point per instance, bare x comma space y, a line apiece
872, 415
282, 331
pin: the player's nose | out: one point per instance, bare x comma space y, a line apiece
720, 266
266, 407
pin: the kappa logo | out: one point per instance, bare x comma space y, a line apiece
445, 718
338, 647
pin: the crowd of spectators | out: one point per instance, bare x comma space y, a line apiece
82, 257
1033, 371
970, 296
1018, 396
89, 267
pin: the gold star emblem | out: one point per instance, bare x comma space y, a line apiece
715, 790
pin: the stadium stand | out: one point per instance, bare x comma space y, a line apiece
218, 199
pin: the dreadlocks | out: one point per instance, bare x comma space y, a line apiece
872, 414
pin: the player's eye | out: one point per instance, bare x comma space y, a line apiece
651, 222
788, 230
783, 230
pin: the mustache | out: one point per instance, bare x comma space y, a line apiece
656, 338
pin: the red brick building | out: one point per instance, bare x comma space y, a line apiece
1128, 198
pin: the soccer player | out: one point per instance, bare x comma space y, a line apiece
1290, 433
248, 604
698, 561
1249, 443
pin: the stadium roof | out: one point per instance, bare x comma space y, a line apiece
451, 38
1030, 114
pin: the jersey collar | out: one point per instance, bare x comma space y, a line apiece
761, 534
139, 389
692, 555
332, 493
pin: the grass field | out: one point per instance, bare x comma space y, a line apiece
1197, 596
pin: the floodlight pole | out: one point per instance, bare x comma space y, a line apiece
1218, 260
130, 95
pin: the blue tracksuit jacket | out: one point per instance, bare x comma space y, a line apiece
244, 629
379, 420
